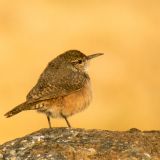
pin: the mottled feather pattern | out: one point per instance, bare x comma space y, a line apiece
22, 107
57, 85
63, 88
57, 80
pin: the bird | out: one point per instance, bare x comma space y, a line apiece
63, 88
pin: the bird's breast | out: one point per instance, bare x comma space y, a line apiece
69, 104
78, 100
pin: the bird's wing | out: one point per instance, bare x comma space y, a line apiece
57, 84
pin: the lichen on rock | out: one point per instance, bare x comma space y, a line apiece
81, 144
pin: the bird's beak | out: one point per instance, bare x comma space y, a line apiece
94, 55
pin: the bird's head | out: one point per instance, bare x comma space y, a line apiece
77, 60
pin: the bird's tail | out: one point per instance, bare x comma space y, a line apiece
19, 108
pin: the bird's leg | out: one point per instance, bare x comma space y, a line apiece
49, 121
66, 120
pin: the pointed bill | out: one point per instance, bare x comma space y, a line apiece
94, 55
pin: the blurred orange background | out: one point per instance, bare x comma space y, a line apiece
126, 80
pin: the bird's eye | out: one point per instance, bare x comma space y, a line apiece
77, 61
80, 61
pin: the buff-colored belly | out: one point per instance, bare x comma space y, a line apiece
70, 104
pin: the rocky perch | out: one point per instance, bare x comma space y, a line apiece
81, 144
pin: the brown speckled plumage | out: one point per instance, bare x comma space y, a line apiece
62, 89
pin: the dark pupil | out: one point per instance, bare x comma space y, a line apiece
79, 61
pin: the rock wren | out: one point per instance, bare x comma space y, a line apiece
63, 88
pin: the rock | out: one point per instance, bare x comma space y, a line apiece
81, 144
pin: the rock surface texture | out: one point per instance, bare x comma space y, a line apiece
81, 144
